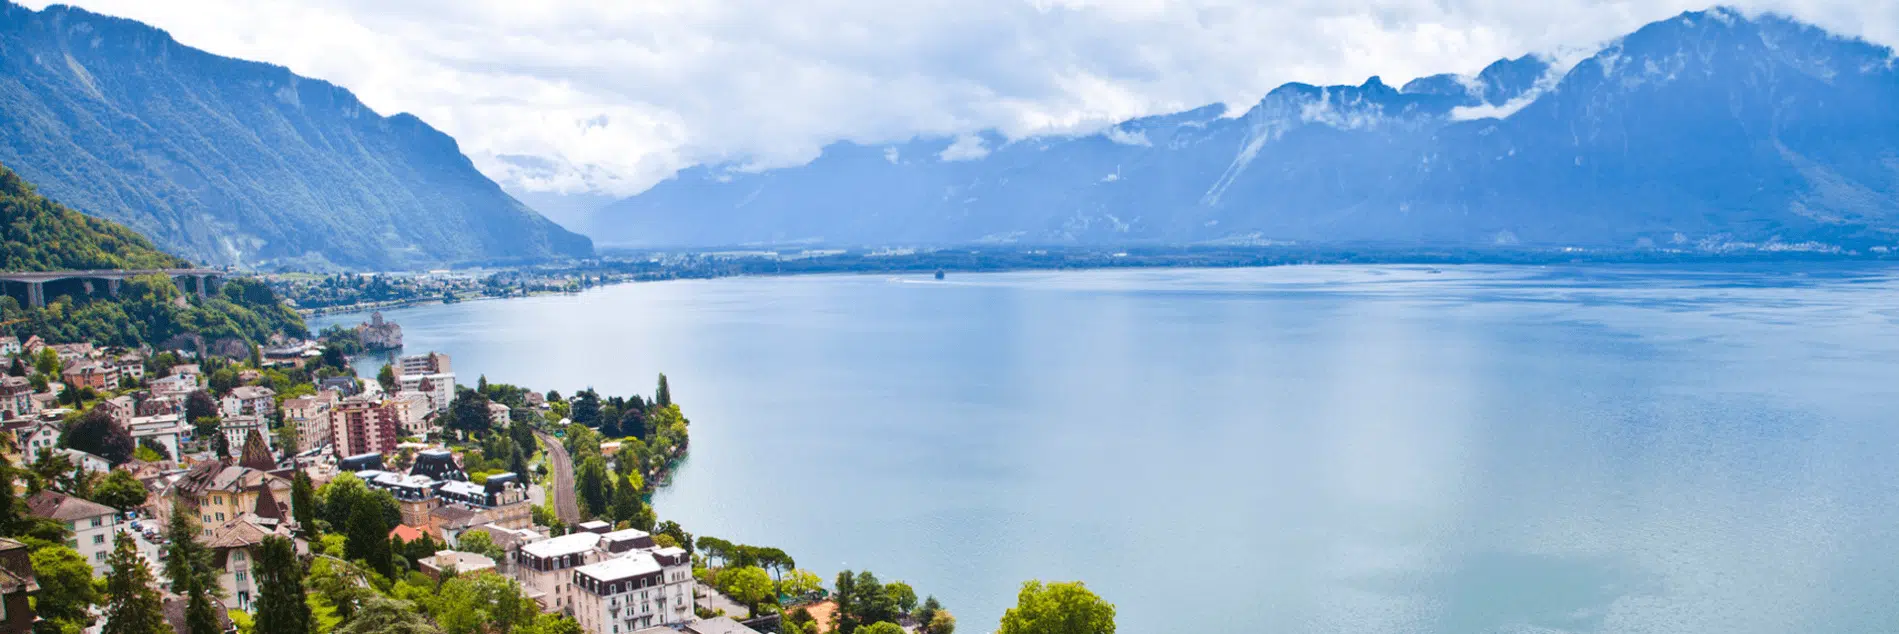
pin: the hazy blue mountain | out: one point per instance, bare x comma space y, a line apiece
1707, 129
236, 162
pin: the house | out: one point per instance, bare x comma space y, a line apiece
719, 625
16, 397
173, 386
32, 345
498, 415
220, 490
92, 374
188, 370
439, 388
311, 416
406, 533
238, 429
249, 400
167, 431
417, 365
69, 352
248, 375
175, 607
94, 526
91, 463
16, 585
160, 405
35, 438
454, 563
234, 545
377, 334
131, 364
9, 346
415, 412
121, 408
633, 590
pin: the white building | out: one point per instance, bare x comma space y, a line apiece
174, 385
634, 591
311, 416
92, 463
95, 526
413, 410
36, 437
546, 567
237, 430
439, 388
249, 400
165, 430
431, 363
499, 415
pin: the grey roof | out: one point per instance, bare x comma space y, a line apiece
719, 625
65, 508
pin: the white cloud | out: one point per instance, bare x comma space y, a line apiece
606, 96
967, 147
1124, 137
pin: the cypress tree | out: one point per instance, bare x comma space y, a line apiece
187, 562
9, 507
199, 617
626, 504
664, 395
368, 539
303, 503
280, 604
132, 605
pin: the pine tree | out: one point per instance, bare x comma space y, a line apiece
9, 507
280, 604
303, 503
200, 618
626, 504
187, 562
664, 395
368, 539
132, 605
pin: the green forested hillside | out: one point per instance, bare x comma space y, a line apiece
37, 234
227, 161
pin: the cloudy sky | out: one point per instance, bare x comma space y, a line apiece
611, 96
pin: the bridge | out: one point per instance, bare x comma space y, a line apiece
36, 281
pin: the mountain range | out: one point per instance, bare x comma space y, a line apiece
231, 162
1706, 130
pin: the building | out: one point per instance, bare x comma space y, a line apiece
121, 408
437, 495
237, 430
219, 491
416, 411
364, 425
234, 545
438, 388
546, 568
378, 334
34, 438
173, 386
10, 346
94, 526
498, 415
89, 462
16, 397
16, 584
456, 563
416, 365
634, 591
175, 607
167, 431
92, 374
131, 364
719, 625
249, 400
153, 405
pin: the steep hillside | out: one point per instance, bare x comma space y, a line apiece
235, 162
1711, 130
37, 234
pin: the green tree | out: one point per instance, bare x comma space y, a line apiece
903, 595
382, 615
928, 610
749, 585
369, 540
387, 377
881, 627
469, 413
595, 487
67, 592
627, 506
10, 507
281, 608
200, 617
480, 542
941, 622
474, 604
303, 503
120, 490
663, 396
1058, 608
187, 561
800, 582
96, 433
48, 362
132, 605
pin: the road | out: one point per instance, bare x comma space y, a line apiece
566, 505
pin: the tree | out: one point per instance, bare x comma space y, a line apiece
585, 407
799, 621
749, 585
120, 490
281, 608
469, 412
903, 595
387, 377
187, 562
595, 487
882, 627
200, 405
626, 505
663, 396
48, 362
482, 543
96, 433
18, 368
382, 615
132, 605
475, 604
942, 622
303, 503
200, 618
928, 611
1058, 608
67, 593
9, 507
678, 533
369, 540
800, 583
222, 381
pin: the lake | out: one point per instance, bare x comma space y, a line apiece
1377, 449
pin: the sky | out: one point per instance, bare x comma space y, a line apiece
603, 98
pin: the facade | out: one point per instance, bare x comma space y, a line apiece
220, 492
378, 334
9, 346
459, 563
234, 545
546, 568
634, 591
364, 425
94, 526
415, 410
92, 374
16, 583
37, 437
167, 430
174, 385
499, 415
431, 363
120, 408
438, 388
16, 397
249, 400
237, 430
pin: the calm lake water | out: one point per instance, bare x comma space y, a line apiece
1287, 450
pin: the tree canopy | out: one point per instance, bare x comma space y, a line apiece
1058, 608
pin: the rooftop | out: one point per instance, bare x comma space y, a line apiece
571, 544
65, 508
623, 567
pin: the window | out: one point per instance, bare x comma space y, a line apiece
95, 522
220, 517
217, 499
99, 556
98, 539
240, 576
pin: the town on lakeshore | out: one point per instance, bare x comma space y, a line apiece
274, 491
